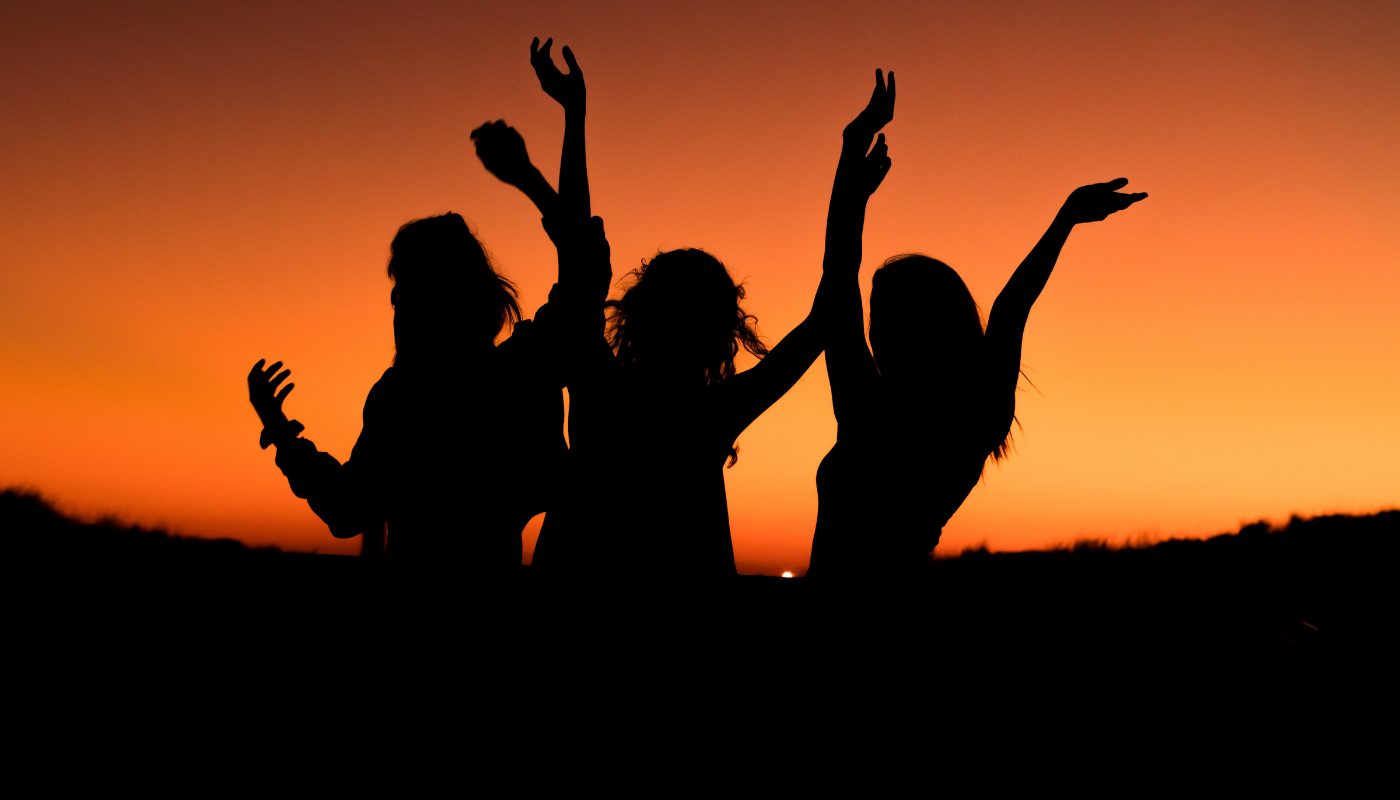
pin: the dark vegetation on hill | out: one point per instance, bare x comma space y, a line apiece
1286, 601
34, 530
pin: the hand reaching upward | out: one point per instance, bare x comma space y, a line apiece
1093, 203
878, 112
860, 173
566, 89
502, 151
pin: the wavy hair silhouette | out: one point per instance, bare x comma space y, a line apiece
681, 321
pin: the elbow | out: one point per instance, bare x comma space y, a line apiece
344, 531
347, 527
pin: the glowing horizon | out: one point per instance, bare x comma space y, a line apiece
188, 190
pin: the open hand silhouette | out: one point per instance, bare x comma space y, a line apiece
502, 151
878, 112
566, 88
262, 392
860, 173
1093, 203
267, 401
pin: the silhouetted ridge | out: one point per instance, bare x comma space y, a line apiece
46, 540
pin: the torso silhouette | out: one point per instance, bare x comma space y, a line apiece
646, 480
644, 488
901, 466
456, 454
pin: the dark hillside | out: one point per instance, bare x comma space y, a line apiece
1289, 600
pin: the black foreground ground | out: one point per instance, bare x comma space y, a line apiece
1281, 618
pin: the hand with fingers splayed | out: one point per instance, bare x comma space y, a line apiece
566, 88
267, 401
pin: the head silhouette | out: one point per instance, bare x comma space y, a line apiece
447, 296
924, 324
681, 322
681, 319
926, 334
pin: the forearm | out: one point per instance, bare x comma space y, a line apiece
845, 228
753, 391
845, 214
1006, 324
327, 486
540, 193
849, 365
573, 167
1030, 277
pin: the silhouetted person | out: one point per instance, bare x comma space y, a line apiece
462, 438
656, 404
918, 418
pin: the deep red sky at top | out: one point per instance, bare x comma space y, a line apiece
186, 188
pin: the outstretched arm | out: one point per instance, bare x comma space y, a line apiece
850, 366
502, 151
837, 304
569, 91
1006, 325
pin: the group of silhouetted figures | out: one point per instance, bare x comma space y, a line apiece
463, 439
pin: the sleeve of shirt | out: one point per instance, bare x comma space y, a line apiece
348, 497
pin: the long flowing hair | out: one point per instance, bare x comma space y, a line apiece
927, 307
446, 292
683, 310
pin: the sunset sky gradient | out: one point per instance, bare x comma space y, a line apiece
187, 188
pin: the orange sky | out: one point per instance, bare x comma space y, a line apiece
184, 191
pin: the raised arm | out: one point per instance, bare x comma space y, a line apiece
858, 174
1006, 325
569, 91
502, 151
850, 366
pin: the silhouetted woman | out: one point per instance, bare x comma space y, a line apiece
463, 440
461, 437
918, 418
656, 404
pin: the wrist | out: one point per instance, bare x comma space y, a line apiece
280, 432
534, 185
531, 179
